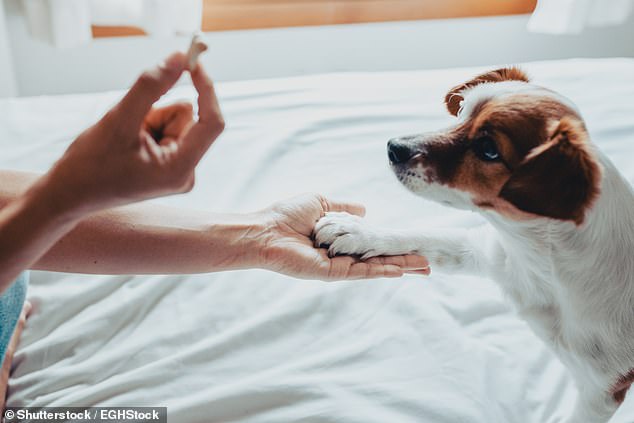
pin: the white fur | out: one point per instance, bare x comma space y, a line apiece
573, 285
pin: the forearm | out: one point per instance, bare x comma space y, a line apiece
137, 239
149, 239
30, 223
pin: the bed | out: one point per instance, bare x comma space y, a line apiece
254, 346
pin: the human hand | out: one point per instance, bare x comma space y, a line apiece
135, 151
7, 360
287, 246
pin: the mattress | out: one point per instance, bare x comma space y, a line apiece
254, 346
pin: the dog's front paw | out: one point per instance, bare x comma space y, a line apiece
346, 234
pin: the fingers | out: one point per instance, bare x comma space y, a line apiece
208, 107
409, 263
337, 206
149, 87
364, 270
26, 310
210, 121
169, 122
17, 332
7, 360
349, 267
424, 272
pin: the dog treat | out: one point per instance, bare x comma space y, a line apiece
196, 47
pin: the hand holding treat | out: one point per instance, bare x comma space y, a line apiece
137, 151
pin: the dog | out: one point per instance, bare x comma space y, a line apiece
560, 233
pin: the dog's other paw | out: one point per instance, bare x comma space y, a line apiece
346, 234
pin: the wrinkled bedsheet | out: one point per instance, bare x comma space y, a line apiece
254, 346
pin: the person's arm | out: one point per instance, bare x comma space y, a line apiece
141, 238
29, 225
134, 152
150, 239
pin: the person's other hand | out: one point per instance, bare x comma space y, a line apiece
7, 360
288, 247
136, 151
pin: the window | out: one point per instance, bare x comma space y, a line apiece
224, 15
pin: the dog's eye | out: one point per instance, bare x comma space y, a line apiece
486, 149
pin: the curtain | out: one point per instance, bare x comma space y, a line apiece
67, 23
8, 85
573, 16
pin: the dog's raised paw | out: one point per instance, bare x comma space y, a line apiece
345, 234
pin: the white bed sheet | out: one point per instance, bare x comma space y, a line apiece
253, 346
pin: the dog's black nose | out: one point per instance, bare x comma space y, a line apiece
398, 152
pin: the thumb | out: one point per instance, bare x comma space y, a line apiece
149, 87
340, 206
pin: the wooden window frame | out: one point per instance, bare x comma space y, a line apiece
227, 15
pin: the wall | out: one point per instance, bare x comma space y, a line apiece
112, 63
8, 86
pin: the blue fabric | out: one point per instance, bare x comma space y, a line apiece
11, 302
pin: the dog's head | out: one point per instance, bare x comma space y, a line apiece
517, 149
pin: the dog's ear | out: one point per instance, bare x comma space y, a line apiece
560, 178
454, 96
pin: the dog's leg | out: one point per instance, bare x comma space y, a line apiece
453, 250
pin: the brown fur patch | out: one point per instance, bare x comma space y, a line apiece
546, 166
558, 179
621, 387
516, 123
560, 184
547, 171
454, 96
443, 154
519, 120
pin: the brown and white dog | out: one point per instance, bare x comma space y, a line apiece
561, 237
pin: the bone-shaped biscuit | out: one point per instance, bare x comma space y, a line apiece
196, 47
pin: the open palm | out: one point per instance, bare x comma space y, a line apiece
289, 248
